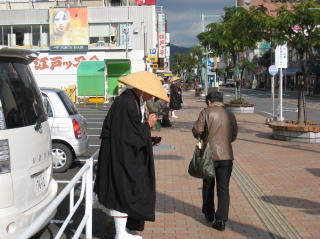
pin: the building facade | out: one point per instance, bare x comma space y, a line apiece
68, 32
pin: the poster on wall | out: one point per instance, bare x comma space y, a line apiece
146, 2
69, 29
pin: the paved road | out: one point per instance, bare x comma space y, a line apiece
263, 103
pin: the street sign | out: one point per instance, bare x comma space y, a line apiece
273, 70
152, 52
281, 56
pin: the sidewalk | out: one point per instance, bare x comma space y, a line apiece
275, 189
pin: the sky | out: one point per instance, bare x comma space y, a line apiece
184, 17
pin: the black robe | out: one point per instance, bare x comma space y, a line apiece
126, 177
175, 98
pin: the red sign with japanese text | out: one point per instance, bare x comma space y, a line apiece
146, 2
63, 63
162, 45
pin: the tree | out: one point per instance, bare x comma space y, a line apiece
299, 28
239, 31
183, 65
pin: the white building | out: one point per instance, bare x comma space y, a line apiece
105, 30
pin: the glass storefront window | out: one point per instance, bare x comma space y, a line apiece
109, 35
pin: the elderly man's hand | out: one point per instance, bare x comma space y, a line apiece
152, 120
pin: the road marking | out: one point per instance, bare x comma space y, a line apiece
93, 128
94, 122
60, 221
94, 135
94, 145
84, 160
266, 112
65, 181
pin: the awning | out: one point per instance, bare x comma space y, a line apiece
90, 77
290, 71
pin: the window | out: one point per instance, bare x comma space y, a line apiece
47, 105
110, 34
72, 110
20, 100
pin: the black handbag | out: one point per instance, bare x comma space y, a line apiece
202, 164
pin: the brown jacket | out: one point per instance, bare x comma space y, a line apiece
222, 130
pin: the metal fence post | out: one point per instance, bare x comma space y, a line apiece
89, 192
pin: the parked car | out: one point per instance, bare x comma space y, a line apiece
230, 83
68, 128
27, 186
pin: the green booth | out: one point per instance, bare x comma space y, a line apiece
116, 68
91, 79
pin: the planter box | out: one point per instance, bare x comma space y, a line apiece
289, 131
240, 108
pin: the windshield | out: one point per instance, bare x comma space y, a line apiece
20, 101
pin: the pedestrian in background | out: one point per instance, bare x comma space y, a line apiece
125, 182
175, 97
222, 131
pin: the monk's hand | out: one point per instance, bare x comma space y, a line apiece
152, 120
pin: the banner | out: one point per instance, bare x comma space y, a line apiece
145, 2
69, 29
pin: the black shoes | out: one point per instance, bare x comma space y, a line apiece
209, 217
219, 225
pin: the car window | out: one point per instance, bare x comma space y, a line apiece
21, 103
71, 108
47, 105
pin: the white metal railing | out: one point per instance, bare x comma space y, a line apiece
86, 173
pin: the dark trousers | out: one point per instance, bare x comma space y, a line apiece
223, 170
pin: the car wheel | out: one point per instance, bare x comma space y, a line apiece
61, 157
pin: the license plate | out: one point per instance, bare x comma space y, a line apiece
40, 183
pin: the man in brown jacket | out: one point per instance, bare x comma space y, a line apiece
220, 131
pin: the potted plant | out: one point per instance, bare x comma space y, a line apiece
240, 105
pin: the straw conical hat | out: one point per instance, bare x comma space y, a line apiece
175, 78
146, 82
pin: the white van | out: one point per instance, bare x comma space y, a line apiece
26, 182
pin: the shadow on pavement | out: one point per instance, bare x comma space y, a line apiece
314, 171
175, 205
307, 206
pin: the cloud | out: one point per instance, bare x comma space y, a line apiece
184, 17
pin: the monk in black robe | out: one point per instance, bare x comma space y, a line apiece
125, 180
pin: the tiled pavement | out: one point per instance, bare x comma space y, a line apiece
286, 173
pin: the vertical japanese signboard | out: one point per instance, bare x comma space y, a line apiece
125, 34
69, 29
162, 35
281, 60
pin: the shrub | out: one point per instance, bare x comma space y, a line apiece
240, 101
